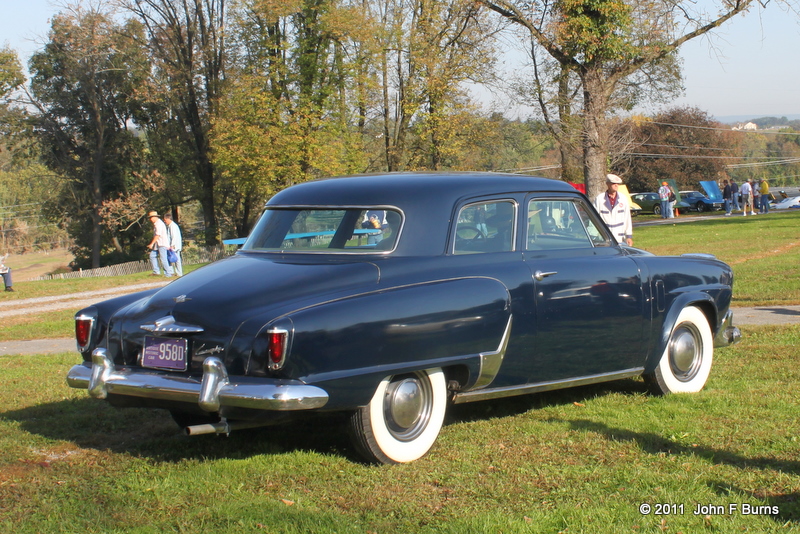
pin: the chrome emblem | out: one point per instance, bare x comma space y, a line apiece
214, 350
180, 298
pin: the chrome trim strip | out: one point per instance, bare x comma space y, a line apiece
491, 361
510, 391
216, 390
168, 325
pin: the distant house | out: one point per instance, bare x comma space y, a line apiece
750, 126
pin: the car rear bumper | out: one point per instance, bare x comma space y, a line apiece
213, 391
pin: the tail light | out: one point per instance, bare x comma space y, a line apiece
277, 344
83, 331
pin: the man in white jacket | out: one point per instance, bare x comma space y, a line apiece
615, 210
175, 241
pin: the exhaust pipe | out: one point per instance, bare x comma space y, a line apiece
223, 427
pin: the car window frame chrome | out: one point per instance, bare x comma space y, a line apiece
360, 252
466, 203
589, 208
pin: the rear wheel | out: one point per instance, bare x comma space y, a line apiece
403, 419
657, 209
686, 362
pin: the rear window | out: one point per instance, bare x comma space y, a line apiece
329, 230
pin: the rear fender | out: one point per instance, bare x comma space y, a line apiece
348, 346
102, 313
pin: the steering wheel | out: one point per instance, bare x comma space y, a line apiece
478, 232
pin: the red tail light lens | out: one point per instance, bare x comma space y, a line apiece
83, 331
276, 347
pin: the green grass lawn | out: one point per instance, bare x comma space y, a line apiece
580, 460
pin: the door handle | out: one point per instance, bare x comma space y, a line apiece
539, 275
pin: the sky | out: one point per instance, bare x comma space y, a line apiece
748, 69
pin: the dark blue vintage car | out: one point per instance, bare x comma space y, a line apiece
387, 297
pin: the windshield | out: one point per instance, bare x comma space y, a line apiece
326, 230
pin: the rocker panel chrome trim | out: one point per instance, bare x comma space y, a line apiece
510, 391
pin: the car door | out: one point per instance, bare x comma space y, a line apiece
589, 316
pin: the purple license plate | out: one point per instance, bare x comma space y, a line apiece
164, 353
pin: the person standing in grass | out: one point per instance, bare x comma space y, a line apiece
726, 197
6, 273
158, 245
747, 198
615, 210
664, 193
764, 190
175, 242
734, 196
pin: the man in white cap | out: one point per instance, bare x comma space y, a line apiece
158, 245
615, 210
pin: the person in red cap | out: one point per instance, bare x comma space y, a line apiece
615, 210
664, 195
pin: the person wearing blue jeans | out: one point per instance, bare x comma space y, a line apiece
6, 274
663, 195
764, 190
726, 197
158, 245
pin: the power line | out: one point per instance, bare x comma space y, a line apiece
771, 132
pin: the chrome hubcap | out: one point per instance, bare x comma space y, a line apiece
407, 407
685, 352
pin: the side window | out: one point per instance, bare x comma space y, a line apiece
560, 224
485, 227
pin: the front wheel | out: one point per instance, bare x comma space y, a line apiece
403, 419
685, 365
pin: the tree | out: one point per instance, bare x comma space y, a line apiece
682, 143
285, 116
604, 42
84, 88
187, 44
423, 53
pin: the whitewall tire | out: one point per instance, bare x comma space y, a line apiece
403, 419
685, 365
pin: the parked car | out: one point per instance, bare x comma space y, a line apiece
652, 203
699, 202
468, 287
786, 203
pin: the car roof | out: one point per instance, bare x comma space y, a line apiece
404, 188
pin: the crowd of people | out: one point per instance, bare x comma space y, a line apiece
754, 196
616, 211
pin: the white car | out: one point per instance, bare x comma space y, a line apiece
786, 203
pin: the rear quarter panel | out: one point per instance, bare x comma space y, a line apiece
349, 345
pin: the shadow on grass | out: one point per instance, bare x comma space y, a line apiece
652, 443
152, 433
511, 406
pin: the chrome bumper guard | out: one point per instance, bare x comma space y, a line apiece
212, 392
727, 333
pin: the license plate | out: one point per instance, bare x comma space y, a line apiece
165, 353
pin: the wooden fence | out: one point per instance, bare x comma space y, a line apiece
190, 257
